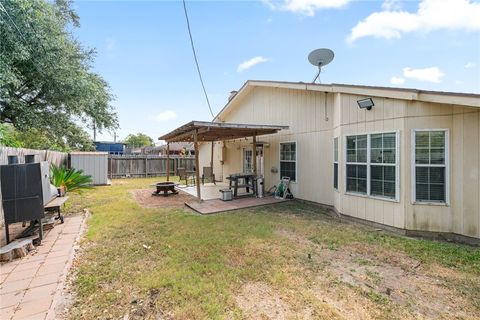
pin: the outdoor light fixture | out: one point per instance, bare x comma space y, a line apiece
365, 103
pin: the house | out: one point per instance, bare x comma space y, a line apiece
178, 149
110, 147
410, 162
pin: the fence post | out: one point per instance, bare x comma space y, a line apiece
146, 166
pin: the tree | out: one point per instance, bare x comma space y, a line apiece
8, 137
138, 140
46, 82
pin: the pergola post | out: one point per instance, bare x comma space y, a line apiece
197, 164
255, 155
211, 156
168, 161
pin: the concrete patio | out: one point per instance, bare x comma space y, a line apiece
31, 286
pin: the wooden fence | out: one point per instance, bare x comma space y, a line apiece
133, 166
55, 157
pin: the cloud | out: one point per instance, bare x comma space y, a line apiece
431, 15
390, 5
250, 63
305, 7
432, 74
165, 116
469, 65
397, 80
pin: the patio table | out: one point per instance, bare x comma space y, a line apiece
248, 180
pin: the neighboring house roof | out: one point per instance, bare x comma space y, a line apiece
457, 98
177, 146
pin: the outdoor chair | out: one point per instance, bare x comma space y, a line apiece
208, 175
184, 175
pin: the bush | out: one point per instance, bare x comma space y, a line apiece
71, 179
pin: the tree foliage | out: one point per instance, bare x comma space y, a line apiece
46, 82
138, 140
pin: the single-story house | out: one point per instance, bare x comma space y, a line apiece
402, 158
177, 149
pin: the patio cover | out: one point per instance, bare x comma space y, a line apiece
202, 131
218, 131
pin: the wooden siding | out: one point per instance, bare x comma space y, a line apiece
303, 111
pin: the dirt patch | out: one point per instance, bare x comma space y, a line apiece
145, 198
258, 300
364, 283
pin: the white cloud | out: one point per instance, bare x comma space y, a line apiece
431, 15
397, 80
433, 74
469, 65
165, 116
390, 5
305, 7
250, 63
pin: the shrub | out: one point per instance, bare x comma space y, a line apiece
71, 179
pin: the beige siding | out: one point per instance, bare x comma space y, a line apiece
313, 127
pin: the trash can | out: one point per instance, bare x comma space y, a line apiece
260, 189
226, 194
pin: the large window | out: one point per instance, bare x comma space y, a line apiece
357, 164
335, 163
372, 165
288, 160
430, 165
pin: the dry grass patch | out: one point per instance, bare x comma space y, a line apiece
286, 261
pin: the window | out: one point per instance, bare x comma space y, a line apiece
357, 164
335, 163
247, 160
382, 162
288, 160
430, 165
372, 165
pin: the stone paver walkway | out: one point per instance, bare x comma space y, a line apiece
29, 287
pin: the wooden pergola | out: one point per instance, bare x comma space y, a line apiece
202, 131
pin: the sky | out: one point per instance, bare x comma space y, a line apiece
144, 52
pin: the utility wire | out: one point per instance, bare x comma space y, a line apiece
196, 60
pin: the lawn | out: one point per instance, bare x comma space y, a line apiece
285, 261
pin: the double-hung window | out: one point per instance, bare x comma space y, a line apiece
247, 160
335, 163
383, 164
357, 164
288, 160
372, 165
430, 172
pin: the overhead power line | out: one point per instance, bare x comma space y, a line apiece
196, 60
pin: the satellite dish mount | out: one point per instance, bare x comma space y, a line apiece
320, 58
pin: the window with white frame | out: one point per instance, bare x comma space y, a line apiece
288, 160
335, 163
372, 164
357, 164
430, 165
383, 164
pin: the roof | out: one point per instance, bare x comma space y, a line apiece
90, 153
216, 131
457, 98
177, 146
110, 142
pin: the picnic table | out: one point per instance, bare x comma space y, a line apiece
241, 180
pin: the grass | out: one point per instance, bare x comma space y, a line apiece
196, 265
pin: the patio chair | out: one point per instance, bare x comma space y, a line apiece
208, 174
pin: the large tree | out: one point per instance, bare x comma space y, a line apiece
46, 81
138, 140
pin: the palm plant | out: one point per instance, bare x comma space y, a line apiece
70, 179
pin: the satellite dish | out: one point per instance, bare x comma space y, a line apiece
320, 58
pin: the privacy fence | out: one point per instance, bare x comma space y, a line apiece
55, 157
136, 166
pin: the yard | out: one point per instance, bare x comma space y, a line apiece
285, 261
